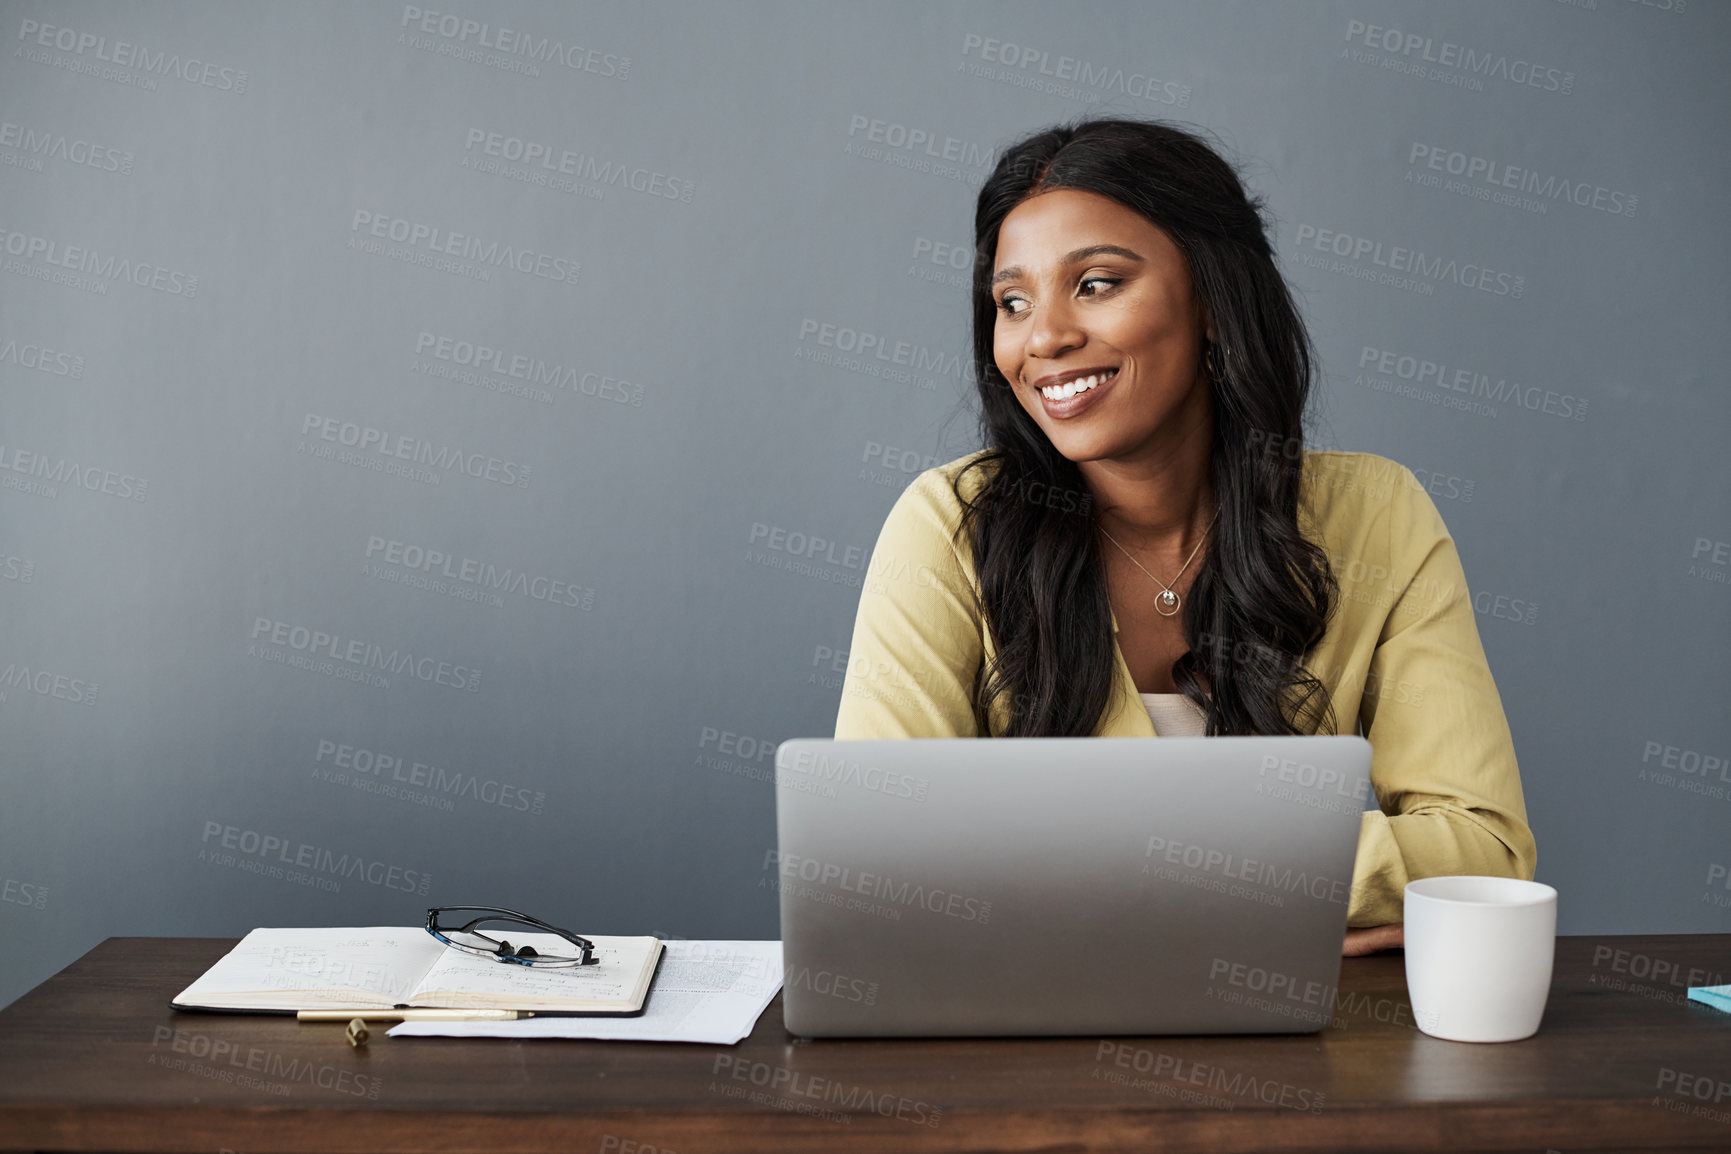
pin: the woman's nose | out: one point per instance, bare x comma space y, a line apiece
1053, 331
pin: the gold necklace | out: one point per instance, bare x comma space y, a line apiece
1167, 603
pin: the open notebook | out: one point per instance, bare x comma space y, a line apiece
386, 967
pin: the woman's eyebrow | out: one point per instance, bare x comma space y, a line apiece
1080, 254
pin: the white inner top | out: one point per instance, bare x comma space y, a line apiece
1174, 715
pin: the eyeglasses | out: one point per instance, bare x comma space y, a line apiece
477, 936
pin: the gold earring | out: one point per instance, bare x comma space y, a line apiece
1212, 364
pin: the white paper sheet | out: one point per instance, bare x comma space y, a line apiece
709, 992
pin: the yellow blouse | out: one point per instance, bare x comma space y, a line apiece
1401, 659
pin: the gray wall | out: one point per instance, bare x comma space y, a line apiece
311, 613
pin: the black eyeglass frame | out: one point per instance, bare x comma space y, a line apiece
504, 951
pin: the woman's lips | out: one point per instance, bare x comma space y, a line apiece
1078, 404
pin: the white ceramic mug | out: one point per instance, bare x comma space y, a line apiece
1478, 956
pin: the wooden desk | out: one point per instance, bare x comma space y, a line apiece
93, 1059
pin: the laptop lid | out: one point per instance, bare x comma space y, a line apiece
1092, 885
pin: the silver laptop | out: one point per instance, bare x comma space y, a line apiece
1092, 885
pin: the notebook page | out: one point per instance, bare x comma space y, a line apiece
459, 979
286, 969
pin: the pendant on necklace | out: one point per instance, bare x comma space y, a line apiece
1166, 604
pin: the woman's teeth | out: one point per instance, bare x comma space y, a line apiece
1069, 389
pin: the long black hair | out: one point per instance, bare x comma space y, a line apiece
1263, 594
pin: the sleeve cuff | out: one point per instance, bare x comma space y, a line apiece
1379, 875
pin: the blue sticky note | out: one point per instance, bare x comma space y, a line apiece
1719, 997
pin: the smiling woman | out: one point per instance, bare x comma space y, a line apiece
1147, 547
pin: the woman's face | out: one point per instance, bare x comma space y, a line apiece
1087, 289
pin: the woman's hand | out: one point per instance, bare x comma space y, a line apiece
1370, 939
